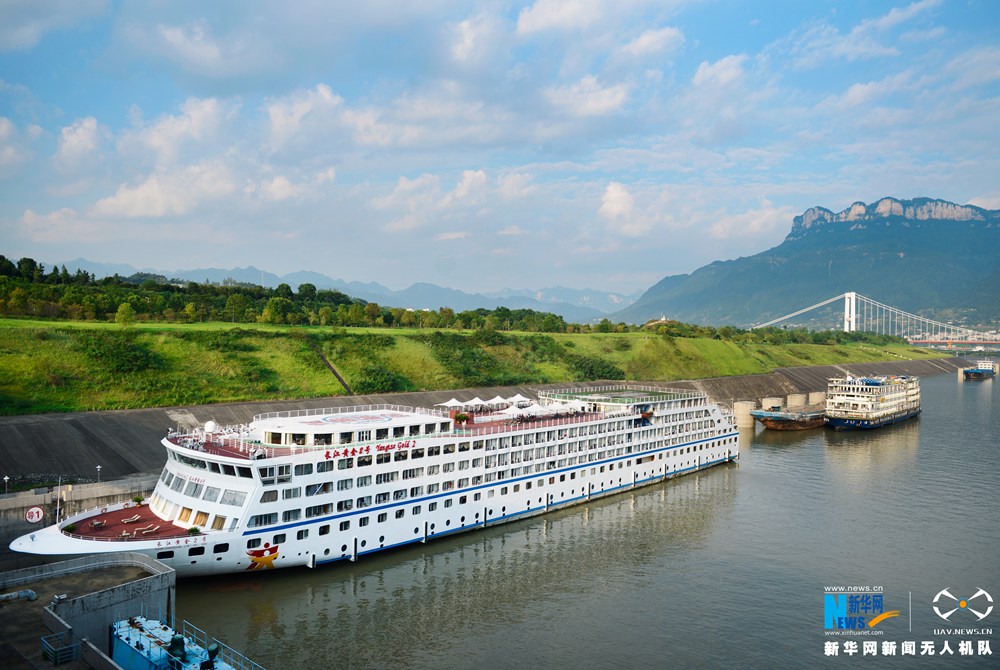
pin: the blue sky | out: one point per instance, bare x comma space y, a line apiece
479, 145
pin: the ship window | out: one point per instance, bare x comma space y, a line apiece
302, 534
434, 451
291, 515
272, 438
297, 438
292, 492
462, 500
323, 439
415, 510
414, 430
364, 460
383, 458
401, 456
324, 530
346, 438
449, 502
430, 428
345, 484
263, 519
235, 498
477, 496
417, 453
185, 514
278, 539
254, 543
477, 444
449, 448
220, 548
200, 519
244, 472
345, 505
382, 517
399, 495
365, 480
445, 426
211, 494
196, 551
381, 433
318, 510
269, 496
164, 555
416, 491
228, 470
178, 483
400, 513
432, 506
303, 469
345, 463
266, 474
363, 521
449, 467
219, 522
364, 501
324, 466
381, 498
284, 473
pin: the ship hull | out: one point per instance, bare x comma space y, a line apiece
977, 375
869, 424
792, 424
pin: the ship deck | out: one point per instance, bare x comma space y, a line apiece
134, 523
479, 425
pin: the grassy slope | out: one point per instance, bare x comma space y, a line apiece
46, 366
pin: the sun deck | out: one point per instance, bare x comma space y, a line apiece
133, 523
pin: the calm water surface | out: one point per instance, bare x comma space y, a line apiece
720, 569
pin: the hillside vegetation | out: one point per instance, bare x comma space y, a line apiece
73, 366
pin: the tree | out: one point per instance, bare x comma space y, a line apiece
236, 307
283, 291
125, 317
307, 292
277, 310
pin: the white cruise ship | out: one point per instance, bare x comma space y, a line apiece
305, 488
858, 403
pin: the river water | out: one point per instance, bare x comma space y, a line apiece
721, 569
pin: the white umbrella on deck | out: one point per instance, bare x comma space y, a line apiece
499, 400
518, 398
450, 403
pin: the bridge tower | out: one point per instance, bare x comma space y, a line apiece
850, 312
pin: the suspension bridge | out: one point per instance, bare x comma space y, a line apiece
867, 315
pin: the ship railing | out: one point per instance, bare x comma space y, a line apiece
657, 393
291, 414
226, 653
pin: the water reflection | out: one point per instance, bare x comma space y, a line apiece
396, 610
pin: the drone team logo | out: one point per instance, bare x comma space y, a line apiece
980, 604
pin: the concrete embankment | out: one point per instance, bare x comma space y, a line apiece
126, 444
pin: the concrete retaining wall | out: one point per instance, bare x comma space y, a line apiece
87, 617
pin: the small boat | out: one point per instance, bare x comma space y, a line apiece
985, 369
802, 418
140, 642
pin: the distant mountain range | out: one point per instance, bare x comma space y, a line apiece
925, 256
574, 305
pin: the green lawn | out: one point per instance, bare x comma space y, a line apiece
48, 366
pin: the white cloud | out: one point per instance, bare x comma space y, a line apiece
512, 231
198, 124
13, 151
444, 237
280, 188
651, 42
290, 115
24, 22
470, 189
78, 142
618, 208
750, 224
977, 67
986, 201
722, 73
515, 185
168, 193
476, 40
195, 48
558, 15
588, 98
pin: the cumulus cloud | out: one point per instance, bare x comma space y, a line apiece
198, 124
619, 210
290, 115
512, 231
195, 48
168, 192
444, 237
588, 98
722, 73
78, 142
558, 15
23, 23
515, 185
13, 146
471, 188
749, 224
661, 40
